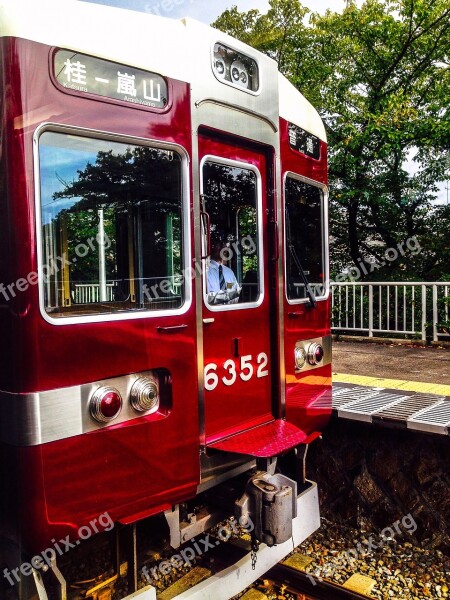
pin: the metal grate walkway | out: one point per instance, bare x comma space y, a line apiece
416, 411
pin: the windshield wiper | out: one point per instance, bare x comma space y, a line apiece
301, 271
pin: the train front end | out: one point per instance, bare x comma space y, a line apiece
163, 270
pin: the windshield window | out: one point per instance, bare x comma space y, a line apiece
112, 228
304, 239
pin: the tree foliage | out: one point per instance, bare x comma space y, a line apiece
379, 77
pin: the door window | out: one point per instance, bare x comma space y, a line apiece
231, 216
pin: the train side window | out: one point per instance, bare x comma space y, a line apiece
304, 229
230, 202
112, 226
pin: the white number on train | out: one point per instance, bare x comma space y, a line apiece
262, 361
230, 370
211, 379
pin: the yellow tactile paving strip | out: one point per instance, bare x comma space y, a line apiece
393, 384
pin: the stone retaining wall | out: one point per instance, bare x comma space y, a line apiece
371, 476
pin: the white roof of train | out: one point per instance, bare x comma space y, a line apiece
136, 39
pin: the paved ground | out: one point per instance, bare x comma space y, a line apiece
428, 365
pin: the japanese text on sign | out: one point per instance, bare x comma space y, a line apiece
305, 142
90, 75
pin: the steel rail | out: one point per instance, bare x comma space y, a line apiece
300, 582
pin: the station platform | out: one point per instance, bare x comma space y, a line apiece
364, 388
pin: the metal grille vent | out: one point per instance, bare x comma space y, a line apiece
339, 390
411, 405
436, 415
352, 395
374, 403
420, 412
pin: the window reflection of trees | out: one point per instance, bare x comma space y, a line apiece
230, 199
138, 191
304, 237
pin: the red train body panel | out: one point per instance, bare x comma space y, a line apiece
191, 366
42, 356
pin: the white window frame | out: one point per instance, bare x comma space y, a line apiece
130, 314
261, 272
325, 238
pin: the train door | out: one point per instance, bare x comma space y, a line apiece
239, 354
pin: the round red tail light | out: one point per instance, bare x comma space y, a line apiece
315, 354
105, 404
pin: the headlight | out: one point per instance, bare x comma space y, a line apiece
144, 395
235, 68
220, 68
239, 74
300, 358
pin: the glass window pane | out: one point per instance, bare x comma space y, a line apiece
111, 226
231, 202
304, 239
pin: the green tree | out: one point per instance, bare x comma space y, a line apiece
279, 33
379, 77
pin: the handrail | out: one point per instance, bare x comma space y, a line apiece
399, 308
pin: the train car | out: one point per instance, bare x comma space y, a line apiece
164, 301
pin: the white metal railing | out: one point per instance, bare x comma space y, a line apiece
154, 289
441, 311
85, 293
396, 308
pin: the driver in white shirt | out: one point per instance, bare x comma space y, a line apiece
221, 281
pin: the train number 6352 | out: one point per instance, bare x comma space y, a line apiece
246, 371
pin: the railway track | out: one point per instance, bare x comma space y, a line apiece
301, 585
313, 572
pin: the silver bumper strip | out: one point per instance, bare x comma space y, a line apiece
42, 417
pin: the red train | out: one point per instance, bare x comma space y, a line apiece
164, 309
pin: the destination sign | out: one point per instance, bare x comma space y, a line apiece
305, 142
89, 75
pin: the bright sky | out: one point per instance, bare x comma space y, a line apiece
207, 11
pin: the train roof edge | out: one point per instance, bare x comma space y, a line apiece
293, 104
47, 22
